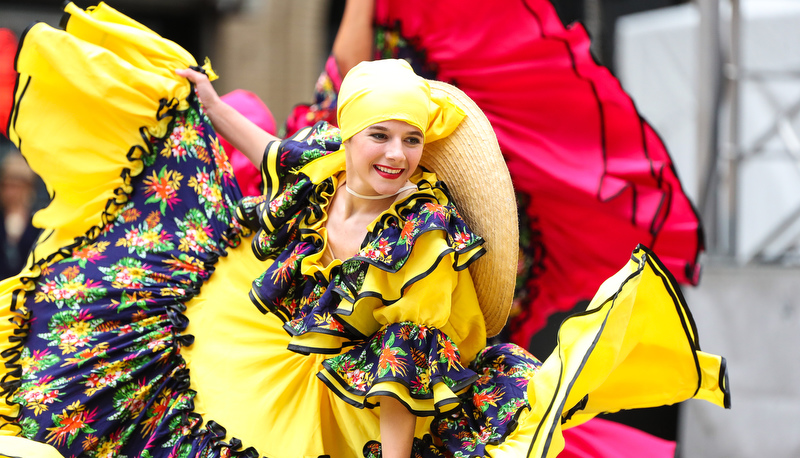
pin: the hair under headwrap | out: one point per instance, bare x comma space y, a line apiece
381, 90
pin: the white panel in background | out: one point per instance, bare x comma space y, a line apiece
656, 61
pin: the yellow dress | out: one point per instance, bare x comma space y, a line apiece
151, 322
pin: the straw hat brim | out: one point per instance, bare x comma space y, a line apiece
469, 161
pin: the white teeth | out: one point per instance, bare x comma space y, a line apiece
385, 170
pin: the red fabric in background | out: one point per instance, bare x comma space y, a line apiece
8, 77
598, 438
599, 178
254, 109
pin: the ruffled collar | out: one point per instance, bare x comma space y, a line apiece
331, 167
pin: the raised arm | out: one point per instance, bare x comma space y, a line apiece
233, 126
353, 42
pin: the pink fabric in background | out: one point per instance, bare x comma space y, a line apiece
8, 76
598, 438
251, 106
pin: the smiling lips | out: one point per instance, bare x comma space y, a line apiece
388, 172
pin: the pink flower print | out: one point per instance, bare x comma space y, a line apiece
41, 394
212, 194
371, 253
134, 238
276, 203
356, 378
384, 248
73, 339
124, 277
49, 287
177, 134
203, 177
93, 381
462, 239
175, 140
179, 151
61, 294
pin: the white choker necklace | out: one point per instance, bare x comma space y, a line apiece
381, 196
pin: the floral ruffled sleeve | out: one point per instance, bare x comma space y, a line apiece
286, 191
416, 364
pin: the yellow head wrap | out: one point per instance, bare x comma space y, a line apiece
381, 90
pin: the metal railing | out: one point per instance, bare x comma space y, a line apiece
723, 150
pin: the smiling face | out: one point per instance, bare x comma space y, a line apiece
381, 158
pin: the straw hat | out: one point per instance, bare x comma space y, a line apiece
470, 162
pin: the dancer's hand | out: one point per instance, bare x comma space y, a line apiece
205, 91
231, 125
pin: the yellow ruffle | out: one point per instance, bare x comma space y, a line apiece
12, 331
115, 75
427, 288
263, 394
444, 298
634, 347
248, 382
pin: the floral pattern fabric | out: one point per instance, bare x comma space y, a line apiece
489, 411
101, 367
416, 356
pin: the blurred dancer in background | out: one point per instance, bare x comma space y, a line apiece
591, 176
17, 199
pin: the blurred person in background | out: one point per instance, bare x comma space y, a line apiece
17, 198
